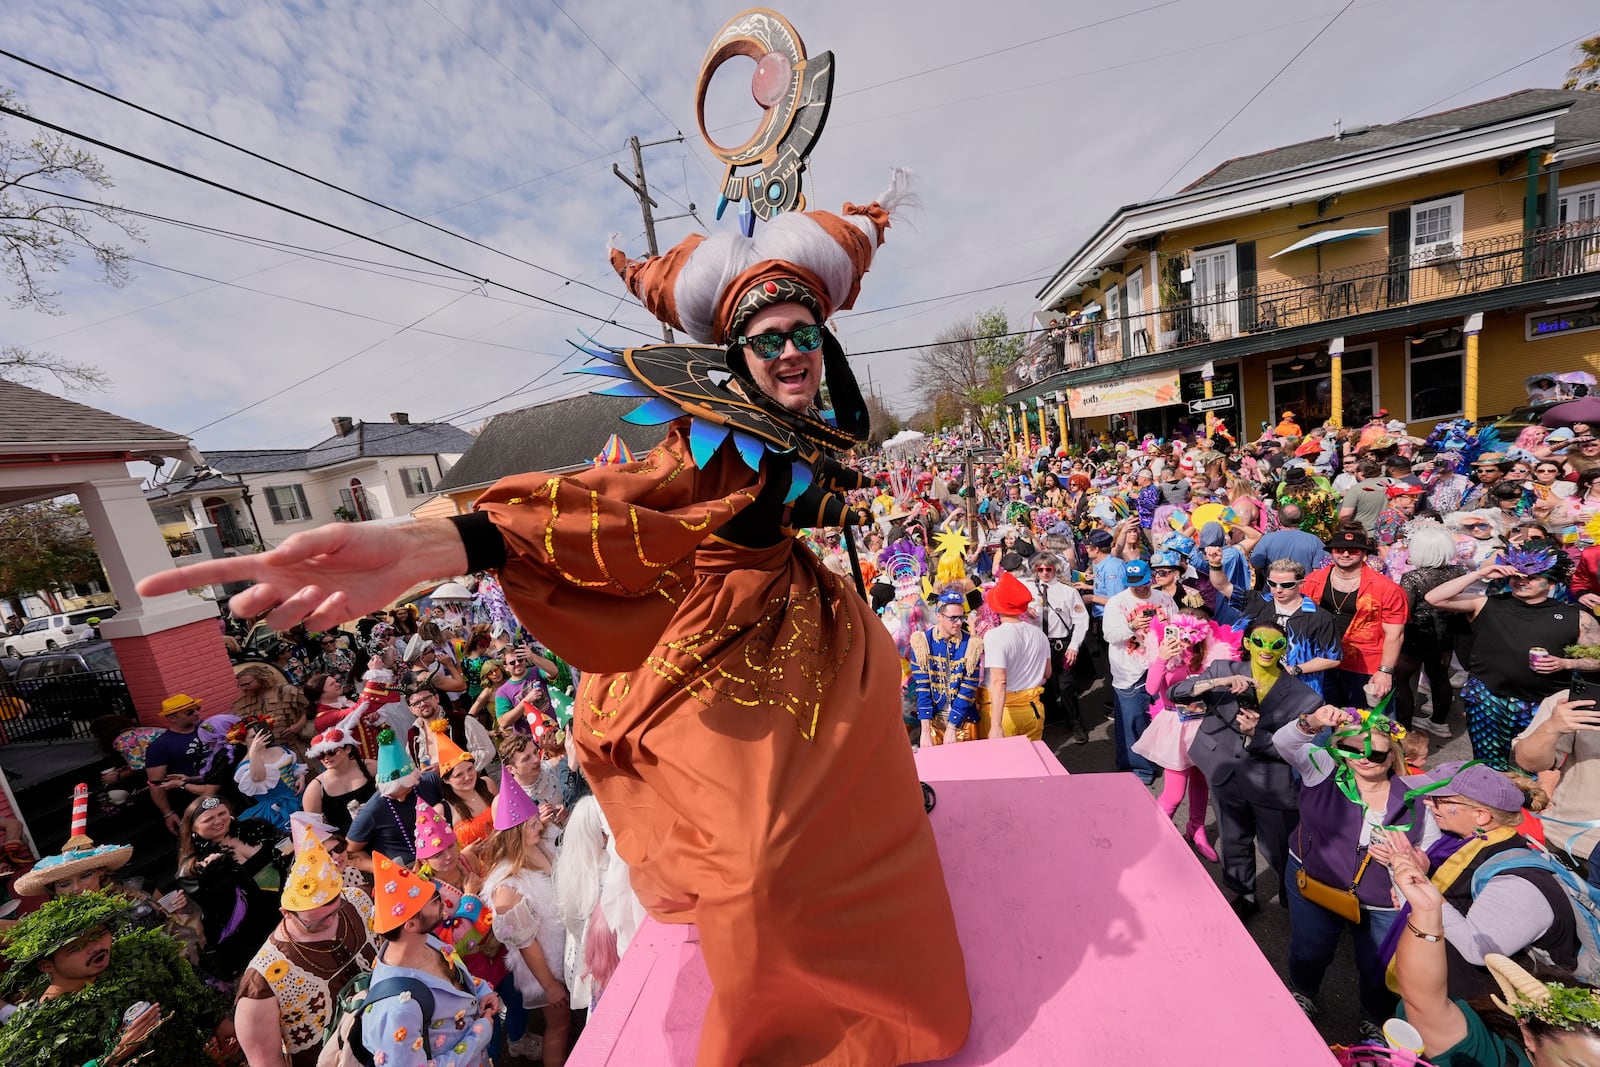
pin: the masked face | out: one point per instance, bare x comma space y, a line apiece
1266, 647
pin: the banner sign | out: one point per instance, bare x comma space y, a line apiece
1127, 394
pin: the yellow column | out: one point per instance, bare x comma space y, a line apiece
1336, 392
1061, 420
1011, 433
1469, 401
1027, 443
1207, 385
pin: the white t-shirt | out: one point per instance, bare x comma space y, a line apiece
1021, 650
1128, 657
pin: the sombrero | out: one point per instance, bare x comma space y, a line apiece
79, 854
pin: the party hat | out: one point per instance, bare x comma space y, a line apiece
303, 823
450, 754
393, 762
397, 893
314, 880
561, 703
513, 806
433, 833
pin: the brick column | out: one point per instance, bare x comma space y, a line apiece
168, 644
185, 659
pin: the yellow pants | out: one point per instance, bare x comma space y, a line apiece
1023, 715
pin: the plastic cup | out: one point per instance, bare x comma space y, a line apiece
1399, 1034
1535, 654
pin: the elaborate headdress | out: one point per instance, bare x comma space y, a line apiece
1564, 1007
78, 855
57, 924
1538, 556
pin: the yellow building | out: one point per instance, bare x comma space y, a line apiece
1428, 267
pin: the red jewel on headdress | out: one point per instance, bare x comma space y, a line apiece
771, 288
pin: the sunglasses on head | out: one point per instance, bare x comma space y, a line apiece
1276, 644
1284, 585
771, 343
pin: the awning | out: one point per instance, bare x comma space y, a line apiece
1090, 309
1323, 237
1155, 390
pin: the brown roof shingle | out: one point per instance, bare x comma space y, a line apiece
34, 420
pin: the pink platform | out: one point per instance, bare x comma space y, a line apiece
1092, 935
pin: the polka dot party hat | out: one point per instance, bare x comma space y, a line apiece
397, 893
433, 833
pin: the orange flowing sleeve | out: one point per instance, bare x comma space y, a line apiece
597, 562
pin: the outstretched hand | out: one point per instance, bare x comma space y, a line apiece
328, 575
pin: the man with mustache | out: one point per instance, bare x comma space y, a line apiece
76, 970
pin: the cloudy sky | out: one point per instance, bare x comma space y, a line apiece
1028, 123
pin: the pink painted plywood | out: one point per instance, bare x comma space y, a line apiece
1007, 757
1092, 936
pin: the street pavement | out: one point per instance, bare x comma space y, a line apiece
1338, 1017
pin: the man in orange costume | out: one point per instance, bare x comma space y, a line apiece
739, 717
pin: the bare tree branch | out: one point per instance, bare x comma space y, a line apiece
28, 368
40, 234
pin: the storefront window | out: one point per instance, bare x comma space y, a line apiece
1308, 391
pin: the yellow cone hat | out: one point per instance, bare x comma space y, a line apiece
314, 880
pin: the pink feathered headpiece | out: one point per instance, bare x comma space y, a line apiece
1222, 642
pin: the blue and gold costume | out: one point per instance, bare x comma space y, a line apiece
944, 678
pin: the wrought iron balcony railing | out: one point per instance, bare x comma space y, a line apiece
1481, 266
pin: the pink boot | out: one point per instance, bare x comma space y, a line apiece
1196, 832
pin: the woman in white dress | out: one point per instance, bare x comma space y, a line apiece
527, 919
580, 869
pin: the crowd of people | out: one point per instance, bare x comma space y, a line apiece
1280, 630
392, 830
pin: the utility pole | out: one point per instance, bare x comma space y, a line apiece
641, 190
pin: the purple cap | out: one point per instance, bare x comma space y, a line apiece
1478, 783
513, 806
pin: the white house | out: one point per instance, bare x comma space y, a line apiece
365, 471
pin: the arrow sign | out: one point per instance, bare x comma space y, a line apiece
1216, 403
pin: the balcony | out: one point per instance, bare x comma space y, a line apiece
1328, 297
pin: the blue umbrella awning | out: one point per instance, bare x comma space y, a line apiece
1323, 237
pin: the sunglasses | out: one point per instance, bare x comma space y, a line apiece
1283, 585
1043, 570
770, 345
1474, 526
1277, 644
1378, 754
952, 616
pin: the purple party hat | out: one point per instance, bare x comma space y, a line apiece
513, 806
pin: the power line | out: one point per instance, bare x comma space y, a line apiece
339, 363
284, 166
481, 280
1492, 77
339, 310
1009, 48
614, 66
947, 296
366, 266
1314, 38
545, 99
1141, 61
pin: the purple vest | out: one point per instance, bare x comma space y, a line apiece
1330, 826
